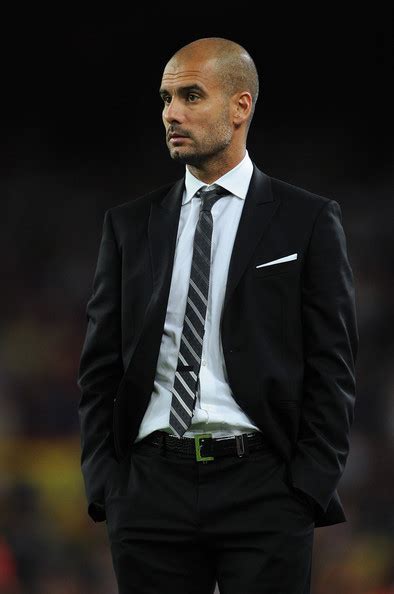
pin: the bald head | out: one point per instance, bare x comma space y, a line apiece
233, 65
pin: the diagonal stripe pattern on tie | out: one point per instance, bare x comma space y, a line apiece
189, 356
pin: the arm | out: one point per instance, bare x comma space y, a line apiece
100, 371
330, 349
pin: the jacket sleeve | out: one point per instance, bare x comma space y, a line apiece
330, 342
100, 371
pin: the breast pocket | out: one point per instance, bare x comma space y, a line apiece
273, 269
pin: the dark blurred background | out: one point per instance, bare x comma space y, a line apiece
81, 131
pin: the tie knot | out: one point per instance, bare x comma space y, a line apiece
209, 197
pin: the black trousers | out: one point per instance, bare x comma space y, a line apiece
178, 526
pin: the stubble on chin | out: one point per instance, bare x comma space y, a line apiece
180, 157
176, 156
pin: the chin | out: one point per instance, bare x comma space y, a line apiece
187, 158
180, 156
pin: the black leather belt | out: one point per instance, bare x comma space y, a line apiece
203, 447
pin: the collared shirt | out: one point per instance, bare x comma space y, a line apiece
216, 411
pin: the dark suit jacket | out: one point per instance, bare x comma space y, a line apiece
289, 333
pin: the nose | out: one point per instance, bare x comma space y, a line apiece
173, 112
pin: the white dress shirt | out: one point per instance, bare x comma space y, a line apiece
215, 411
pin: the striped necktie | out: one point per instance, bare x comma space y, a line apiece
189, 356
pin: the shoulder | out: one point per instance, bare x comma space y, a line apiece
136, 210
141, 202
295, 199
303, 197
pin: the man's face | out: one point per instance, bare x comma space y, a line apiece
196, 111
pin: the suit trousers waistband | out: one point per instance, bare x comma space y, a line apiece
203, 447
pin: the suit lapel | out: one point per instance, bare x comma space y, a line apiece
257, 213
162, 233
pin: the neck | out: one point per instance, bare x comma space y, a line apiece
210, 171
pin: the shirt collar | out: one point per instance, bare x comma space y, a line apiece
236, 181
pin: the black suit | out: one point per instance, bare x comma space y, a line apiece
289, 333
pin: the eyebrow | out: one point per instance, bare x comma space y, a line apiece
183, 90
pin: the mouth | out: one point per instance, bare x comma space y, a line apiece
176, 136
176, 139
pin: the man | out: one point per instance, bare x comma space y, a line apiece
217, 374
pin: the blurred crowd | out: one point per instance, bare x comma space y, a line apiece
48, 544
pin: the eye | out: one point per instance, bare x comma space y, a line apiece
166, 99
192, 97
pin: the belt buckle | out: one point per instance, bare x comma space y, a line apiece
239, 442
197, 439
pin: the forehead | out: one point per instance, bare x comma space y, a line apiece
188, 71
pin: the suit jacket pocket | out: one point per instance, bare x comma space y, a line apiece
273, 269
297, 494
305, 499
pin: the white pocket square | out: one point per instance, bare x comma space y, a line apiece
278, 261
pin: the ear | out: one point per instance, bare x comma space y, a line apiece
242, 106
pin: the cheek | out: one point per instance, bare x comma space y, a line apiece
205, 122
